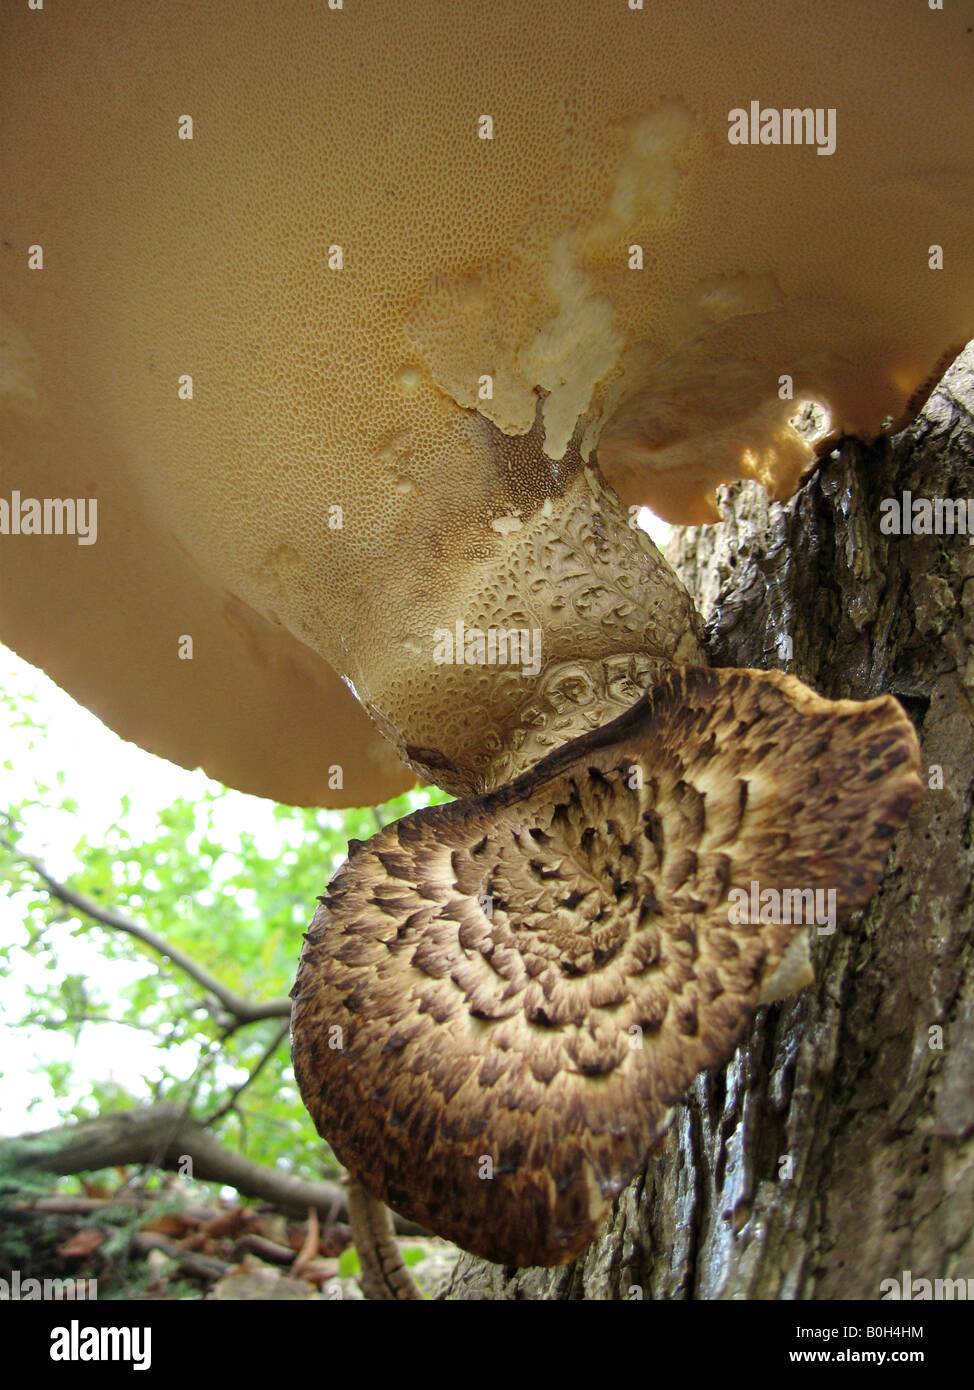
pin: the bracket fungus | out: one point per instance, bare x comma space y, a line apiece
366, 327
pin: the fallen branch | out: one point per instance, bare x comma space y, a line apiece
189, 1263
164, 1136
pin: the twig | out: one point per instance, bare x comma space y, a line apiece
241, 1009
196, 1266
265, 1057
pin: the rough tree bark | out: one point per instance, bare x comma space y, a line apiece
837, 1150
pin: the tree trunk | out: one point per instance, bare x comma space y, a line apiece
837, 1149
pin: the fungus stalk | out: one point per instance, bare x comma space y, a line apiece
573, 617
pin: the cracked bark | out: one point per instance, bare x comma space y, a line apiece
837, 1148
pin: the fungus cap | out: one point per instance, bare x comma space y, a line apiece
531, 979
462, 257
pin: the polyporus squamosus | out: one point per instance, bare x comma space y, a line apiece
526, 982
431, 268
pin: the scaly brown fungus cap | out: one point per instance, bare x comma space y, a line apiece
535, 976
462, 256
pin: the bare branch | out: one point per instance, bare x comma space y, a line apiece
265, 1057
164, 1135
190, 1263
242, 1010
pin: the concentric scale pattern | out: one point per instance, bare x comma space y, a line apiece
501, 999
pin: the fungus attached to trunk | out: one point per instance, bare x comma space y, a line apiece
367, 330
501, 999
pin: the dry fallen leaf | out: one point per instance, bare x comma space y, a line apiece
82, 1243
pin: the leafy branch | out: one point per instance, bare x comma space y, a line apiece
242, 1011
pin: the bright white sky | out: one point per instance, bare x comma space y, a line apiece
98, 769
